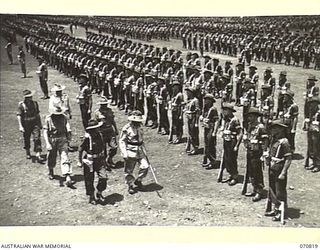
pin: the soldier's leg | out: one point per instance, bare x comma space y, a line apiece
206, 148
212, 152
36, 133
281, 192
52, 157
257, 177
26, 139
88, 174
129, 165
100, 168
113, 146
316, 151
143, 169
66, 168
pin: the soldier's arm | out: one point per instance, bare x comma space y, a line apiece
19, 113
46, 137
83, 148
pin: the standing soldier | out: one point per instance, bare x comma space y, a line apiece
311, 125
108, 129
247, 100
92, 155
254, 76
84, 99
192, 111
42, 72
57, 133
209, 119
268, 79
29, 120
283, 85
176, 113
312, 90
163, 107
266, 105
290, 117
280, 159
256, 142
232, 136
133, 151
22, 60
8, 47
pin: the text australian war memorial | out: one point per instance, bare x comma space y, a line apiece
160, 120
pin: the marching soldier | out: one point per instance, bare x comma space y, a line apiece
29, 120
84, 98
209, 121
279, 162
176, 113
290, 117
92, 155
57, 133
232, 136
256, 141
108, 129
133, 151
311, 125
22, 60
192, 112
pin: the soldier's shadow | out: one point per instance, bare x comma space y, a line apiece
112, 199
151, 187
297, 156
293, 213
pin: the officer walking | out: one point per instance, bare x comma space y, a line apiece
133, 151
108, 129
29, 120
92, 156
22, 60
57, 133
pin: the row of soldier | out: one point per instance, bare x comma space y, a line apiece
231, 126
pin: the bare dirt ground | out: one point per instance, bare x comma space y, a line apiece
188, 195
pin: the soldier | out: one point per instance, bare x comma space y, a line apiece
311, 91
311, 125
279, 162
42, 72
92, 155
22, 60
232, 136
247, 100
133, 151
8, 47
268, 79
192, 112
240, 76
57, 133
163, 107
108, 129
266, 105
209, 118
256, 141
176, 113
29, 120
283, 85
84, 98
60, 99
290, 117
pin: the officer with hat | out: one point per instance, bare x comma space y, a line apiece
133, 151
232, 136
29, 120
192, 111
279, 162
84, 98
209, 120
92, 156
256, 141
57, 133
60, 99
312, 126
290, 116
108, 129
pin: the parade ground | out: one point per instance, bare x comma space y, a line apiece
186, 194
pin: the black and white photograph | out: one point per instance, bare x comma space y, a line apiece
137, 120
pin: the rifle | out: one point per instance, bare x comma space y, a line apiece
245, 182
220, 174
